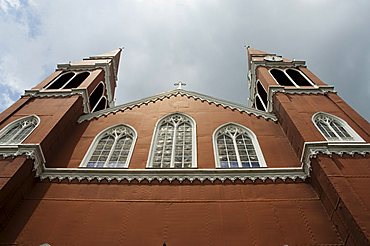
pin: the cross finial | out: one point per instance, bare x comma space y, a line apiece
179, 84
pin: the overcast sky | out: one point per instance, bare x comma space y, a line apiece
199, 42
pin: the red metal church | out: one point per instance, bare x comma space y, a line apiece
183, 168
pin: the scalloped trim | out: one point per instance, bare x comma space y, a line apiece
174, 93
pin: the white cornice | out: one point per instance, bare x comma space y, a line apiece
310, 150
189, 94
170, 175
61, 93
273, 89
32, 151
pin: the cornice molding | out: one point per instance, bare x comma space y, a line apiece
34, 93
298, 174
171, 175
312, 149
197, 96
272, 90
31, 151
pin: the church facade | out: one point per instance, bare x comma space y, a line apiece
184, 168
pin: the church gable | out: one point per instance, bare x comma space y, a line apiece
207, 115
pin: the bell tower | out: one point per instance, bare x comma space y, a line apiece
94, 78
323, 130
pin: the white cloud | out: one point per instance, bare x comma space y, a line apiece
200, 42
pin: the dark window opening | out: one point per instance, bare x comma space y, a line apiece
77, 80
96, 95
61, 80
259, 104
261, 91
298, 77
101, 105
281, 78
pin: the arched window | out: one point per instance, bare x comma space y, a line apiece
290, 77
261, 97
111, 149
68, 80
174, 143
334, 128
237, 147
281, 78
17, 131
102, 104
297, 77
96, 95
77, 80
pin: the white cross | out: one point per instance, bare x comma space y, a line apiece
179, 84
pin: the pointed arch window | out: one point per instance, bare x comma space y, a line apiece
237, 147
174, 143
68, 80
112, 148
334, 128
18, 130
290, 77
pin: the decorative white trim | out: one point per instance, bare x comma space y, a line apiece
252, 76
96, 140
343, 123
312, 149
252, 136
31, 151
181, 92
35, 93
273, 89
154, 140
174, 175
103, 65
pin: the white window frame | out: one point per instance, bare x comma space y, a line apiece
291, 80
343, 123
11, 124
96, 140
66, 83
153, 143
252, 136
259, 96
96, 87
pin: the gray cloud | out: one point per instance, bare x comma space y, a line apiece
200, 42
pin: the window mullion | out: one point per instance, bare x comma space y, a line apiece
236, 151
66, 83
112, 149
172, 164
334, 131
15, 135
290, 79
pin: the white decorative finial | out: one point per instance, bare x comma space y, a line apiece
179, 84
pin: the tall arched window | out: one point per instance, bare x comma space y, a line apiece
237, 147
111, 149
290, 77
68, 80
261, 97
18, 130
173, 143
334, 128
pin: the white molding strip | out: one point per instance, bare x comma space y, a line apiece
298, 174
169, 94
31, 151
60, 93
273, 89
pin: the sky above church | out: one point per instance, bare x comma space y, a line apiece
198, 42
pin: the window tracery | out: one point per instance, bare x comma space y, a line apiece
112, 149
236, 147
18, 130
174, 143
334, 128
